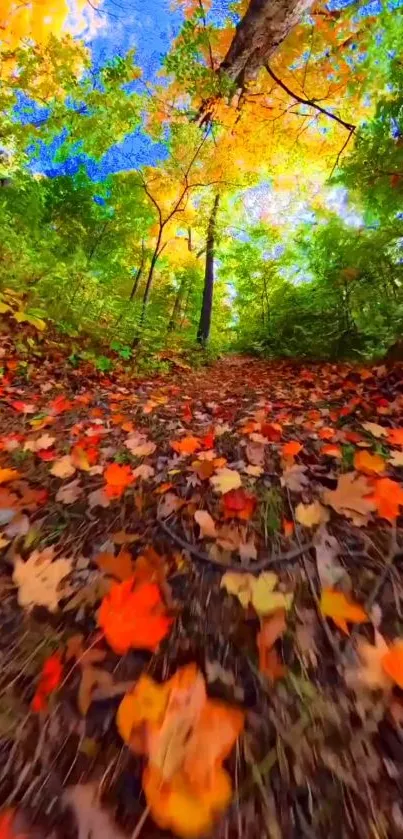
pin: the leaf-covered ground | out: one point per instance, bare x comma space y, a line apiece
243, 518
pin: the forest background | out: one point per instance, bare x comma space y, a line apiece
168, 184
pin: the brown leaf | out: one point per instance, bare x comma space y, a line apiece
120, 566
69, 493
92, 677
255, 453
206, 524
98, 498
350, 498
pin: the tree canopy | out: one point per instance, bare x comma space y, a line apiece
266, 213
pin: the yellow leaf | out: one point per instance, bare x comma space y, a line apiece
7, 475
311, 514
225, 480
259, 591
335, 605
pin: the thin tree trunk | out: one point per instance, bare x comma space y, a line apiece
150, 276
177, 305
138, 274
207, 302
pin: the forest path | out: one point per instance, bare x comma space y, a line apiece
109, 484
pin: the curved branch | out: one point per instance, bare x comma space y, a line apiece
312, 104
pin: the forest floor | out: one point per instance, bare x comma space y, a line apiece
112, 486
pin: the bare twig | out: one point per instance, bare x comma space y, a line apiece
257, 566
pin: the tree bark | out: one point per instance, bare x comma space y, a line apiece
207, 302
264, 26
138, 274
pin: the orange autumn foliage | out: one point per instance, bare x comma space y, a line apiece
388, 497
335, 605
188, 445
117, 479
291, 449
392, 662
186, 736
370, 464
133, 617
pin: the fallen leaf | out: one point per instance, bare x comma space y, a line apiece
187, 445
396, 458
259, 591
185, 736
291, 449
144, 472
7, 475
392, 662
395, 436
98, 498
69, 493
117, 478
332, 451
295, 478
225, 480
206, 524
239, 504
311, 514
38, 579
371, 672
375, 429
168, 504
335, 605
204, 469
255, 453
120, 566
50, 678
253, 471
141, 449
387, 497
42, 443
370, 464
63, 468
133, 617
350, 498
271, 629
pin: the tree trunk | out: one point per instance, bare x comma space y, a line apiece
138, 274
177, 304
264, 26
207, 303
150, 276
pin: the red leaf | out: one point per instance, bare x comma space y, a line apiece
239, 504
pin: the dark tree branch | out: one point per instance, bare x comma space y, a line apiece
311, 102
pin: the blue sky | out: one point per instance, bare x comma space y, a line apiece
112, 29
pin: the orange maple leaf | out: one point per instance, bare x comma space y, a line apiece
388, 497
117, 479
133, 617
395, 436
335, 605
185, 736
188, 445
392, 662
291, 449
370, 464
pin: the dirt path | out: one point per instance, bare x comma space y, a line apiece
98, 472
